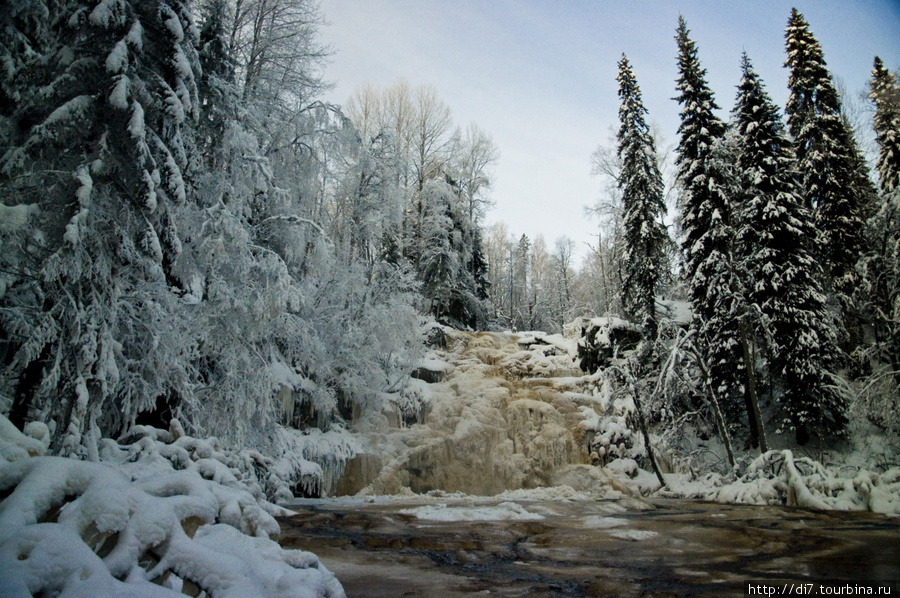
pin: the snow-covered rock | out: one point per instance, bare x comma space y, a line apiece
604, 340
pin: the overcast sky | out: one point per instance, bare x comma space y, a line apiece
539, 76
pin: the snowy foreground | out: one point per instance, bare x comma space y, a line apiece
165, 515
501, 415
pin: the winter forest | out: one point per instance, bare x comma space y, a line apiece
220, 294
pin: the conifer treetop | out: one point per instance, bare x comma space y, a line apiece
826, 154
642, 198
886, 95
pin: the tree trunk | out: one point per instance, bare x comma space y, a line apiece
753, 408
643, 424
720, 421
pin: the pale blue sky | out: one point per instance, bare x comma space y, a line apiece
539, 76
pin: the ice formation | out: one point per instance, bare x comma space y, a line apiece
505, 511
164, 515
506, 413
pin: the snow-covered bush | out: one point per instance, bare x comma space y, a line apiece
782, 478
608, 423
164, 515
309, 463
779, 477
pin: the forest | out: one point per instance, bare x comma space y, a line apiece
197, 249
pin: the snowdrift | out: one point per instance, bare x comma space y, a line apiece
164, 515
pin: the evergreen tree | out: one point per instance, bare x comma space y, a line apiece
706, 221
642, 197
521, 304
100, 98
886, 95
881, 267
782, 274
452, 267
218, 92
826, 155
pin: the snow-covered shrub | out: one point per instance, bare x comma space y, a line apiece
162, 516
411, 403
781, 478
608, 423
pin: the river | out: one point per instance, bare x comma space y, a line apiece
444, 547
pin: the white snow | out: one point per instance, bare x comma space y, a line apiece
118, 97
13, 218
505, 511
164, 512
433, 364
117, 60
595, 522
109, 13
781, 478
634, 535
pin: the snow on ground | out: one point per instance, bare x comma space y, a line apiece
162, 515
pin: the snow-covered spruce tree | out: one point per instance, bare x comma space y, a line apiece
219, 94
642, 197
99, 96
886, 95
706, 222
439, 262
782, 275
451, 266
824, 149
880, 292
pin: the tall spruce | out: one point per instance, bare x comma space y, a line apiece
642, 198
827, 156
775, 246
706, 222
881, 291
219, 95
886, 95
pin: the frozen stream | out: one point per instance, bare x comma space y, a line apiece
460, 546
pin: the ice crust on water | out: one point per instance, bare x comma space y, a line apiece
634, 535
505, 511
152, 517
594, 522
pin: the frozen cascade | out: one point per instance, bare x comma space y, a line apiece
511, 411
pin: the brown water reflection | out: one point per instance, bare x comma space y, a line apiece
592, 548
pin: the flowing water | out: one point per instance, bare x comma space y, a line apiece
627, 547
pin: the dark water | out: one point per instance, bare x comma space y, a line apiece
594, 548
